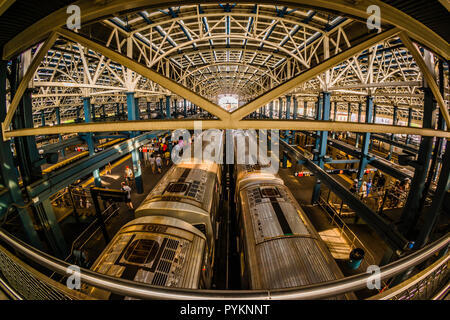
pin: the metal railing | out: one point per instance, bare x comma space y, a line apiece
425, 285
345, 231
144, 291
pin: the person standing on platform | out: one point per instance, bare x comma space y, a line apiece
108, 168
368, 187
129, 175
153, 163
159, 163
127, 189
167, 157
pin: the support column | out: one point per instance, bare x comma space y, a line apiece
42, 118
305, 108
365, 144
335, 111
8, 171
323, 114
271, 110
132, 115
349, 112
435, 210
394, 123
93, 112
280, 108
90, 140
168, 114
161, 103
409, 123
359, 120
78, 114
58, 122
411, 212
185, 108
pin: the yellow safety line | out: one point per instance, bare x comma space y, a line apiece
330, 167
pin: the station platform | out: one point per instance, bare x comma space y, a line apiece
72, 229
338, 245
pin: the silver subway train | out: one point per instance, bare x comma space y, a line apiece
279, 247
171, 242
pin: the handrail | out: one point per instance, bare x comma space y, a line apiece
145, 291
414, 281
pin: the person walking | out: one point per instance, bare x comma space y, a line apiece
159, 163
127, 189
167, 157
153, 163
368, 187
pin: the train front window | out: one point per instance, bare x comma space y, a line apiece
141, 251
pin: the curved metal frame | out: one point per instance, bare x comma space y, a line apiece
144, 291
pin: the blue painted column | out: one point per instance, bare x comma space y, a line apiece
359, 120
123, 108
295, 114
319, 108
58, 122
90, 140
288, 114
132, 115
185, 107
366, 141
323, 114
43, 118
117, 111
9, 173
168, 114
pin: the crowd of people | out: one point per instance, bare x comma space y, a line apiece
377, 187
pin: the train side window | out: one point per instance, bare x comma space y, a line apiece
142, 251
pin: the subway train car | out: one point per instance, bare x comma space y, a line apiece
279, 247
191, 191
171, 241
157, 250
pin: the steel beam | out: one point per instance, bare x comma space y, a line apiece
28, 76
309, 74
148, 73
148, 125
427, 75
